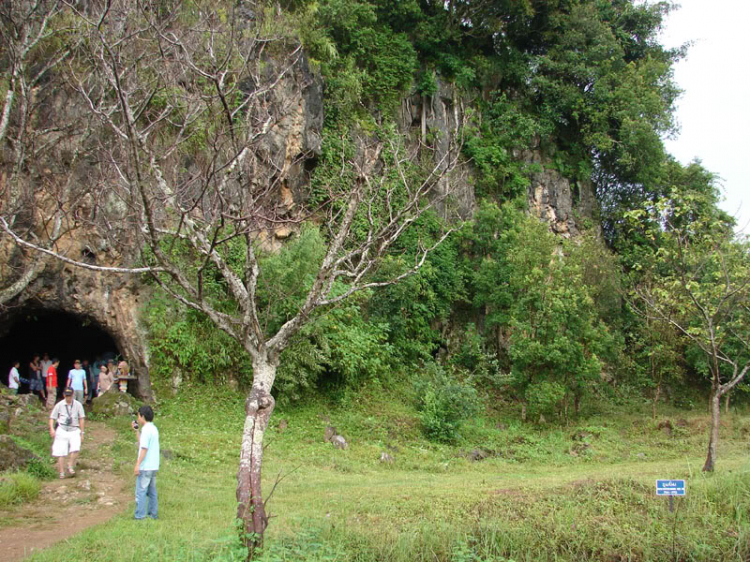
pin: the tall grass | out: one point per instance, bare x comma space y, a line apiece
18, 487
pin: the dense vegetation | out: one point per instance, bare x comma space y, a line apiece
504, 307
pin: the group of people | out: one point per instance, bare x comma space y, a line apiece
87, 381
66, 428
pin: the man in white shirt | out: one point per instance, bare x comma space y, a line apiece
70, 418
14, 378
147, 465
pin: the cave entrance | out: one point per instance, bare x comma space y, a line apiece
26, 332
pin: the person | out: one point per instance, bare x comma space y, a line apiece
46, 362
147, 465
51, 376
70, 418
36, 385
123, 372
91, 375
105, 380
14, 379
112, 369
77, 381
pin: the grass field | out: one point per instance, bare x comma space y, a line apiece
582, 492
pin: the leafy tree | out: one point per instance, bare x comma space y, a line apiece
537, 297
557, 339
699, 283
660, 352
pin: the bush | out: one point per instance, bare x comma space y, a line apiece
18, 487
445, 403
544, 397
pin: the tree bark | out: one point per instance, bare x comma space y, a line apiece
657, 395
258, 409
714, 436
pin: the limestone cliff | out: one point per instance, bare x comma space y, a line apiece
113, 302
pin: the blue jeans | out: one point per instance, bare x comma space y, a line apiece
145, 489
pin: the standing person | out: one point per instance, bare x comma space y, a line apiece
105, 380
70, 417
46, 362
89, 379
36, 385
51, 376
92, 373
14, 378
123, 372
77, 381
147, 465
112, 369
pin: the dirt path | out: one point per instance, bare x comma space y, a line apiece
93, 496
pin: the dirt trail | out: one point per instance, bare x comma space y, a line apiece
93, 496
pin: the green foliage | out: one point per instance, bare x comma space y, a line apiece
544, 302
605, 83
341, 347
556, 334
505, 128
185, 341
18, 487
445, 403
544, 397
694, 274
363, 60
416, 307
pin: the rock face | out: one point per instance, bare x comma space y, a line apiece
553, 199
112, 302
434, 123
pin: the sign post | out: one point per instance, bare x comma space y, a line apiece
671, 488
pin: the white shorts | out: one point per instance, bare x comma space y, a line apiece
66, 442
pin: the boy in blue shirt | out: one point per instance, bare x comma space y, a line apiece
147, 464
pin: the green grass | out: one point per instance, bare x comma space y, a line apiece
531, 499
18, 487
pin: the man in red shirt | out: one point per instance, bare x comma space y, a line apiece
51, 375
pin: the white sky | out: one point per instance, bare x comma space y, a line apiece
714, 110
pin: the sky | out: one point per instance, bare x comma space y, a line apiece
714, 110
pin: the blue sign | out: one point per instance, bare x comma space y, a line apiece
670, 488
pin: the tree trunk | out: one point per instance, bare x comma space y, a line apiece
714, 436
657, 395
258, 409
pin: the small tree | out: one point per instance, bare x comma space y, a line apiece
699, 283
188, 104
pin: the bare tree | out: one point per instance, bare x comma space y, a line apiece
33, 45
189, 107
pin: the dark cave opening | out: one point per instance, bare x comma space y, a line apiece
28, 332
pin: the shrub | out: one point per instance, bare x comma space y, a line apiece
445, 403
18, 487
